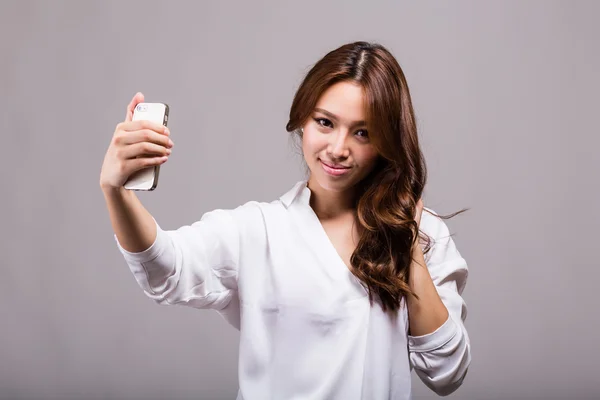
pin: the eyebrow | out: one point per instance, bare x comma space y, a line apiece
335, 117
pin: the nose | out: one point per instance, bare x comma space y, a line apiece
337, 147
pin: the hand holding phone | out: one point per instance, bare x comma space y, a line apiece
139, 146
147, 178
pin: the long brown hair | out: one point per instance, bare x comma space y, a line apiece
386, 199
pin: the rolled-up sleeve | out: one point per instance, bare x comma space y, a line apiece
194, 265
441, 358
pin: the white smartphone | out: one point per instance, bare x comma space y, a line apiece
147, 178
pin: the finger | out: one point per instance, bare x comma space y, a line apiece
137, 98
145, 135
144, 149
144, 162
144, 124
134, 165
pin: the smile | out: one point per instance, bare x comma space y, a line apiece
334, 171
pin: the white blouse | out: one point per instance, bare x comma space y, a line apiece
307, 330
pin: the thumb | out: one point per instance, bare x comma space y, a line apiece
138, 98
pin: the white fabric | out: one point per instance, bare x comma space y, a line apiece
307, 330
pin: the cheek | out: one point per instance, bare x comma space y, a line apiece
311, 143
367, 157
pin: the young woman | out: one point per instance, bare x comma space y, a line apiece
334, 293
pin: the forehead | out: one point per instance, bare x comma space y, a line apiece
345, 100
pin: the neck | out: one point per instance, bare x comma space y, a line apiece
328, 204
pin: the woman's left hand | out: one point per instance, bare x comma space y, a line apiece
418, 212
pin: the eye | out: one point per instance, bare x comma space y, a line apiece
322, 121
365, 134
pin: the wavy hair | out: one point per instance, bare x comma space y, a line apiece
386, 199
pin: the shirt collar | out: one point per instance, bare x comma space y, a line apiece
300, 190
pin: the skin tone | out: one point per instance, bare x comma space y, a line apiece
334, 135
335, 140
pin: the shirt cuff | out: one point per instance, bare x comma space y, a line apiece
151, 252
435, 339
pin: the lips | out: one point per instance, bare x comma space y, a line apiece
334, 170
334, 166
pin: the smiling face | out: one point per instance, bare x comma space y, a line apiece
335, 141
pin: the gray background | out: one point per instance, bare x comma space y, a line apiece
506, 98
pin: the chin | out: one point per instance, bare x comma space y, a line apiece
332, 184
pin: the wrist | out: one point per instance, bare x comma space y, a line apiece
111, 191
417, 252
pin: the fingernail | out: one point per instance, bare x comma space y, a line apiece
171, 143
167, 131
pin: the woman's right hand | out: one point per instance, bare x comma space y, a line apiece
130, 140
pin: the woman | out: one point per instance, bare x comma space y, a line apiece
333, 293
